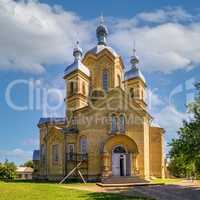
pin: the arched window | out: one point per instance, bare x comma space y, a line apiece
132, 93
70, 151
74, 122
122, 122
83, 88
105, 80
119, 81
119, 149
83, 145
114, 124
71, 88
137, 92
55, 153
142, 94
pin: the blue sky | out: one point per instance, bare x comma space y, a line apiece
36, 44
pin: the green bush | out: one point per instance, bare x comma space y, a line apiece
29, 163
7, 170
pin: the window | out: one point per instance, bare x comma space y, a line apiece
83, 148
105, 80
55, 153
42, 150
119, 149
83, 145
70, 148
114, 124
137, 92
119, 80
70, 151
122, 123
83, 88
46, 130
72, 87
74, 122
132, 93
143, 97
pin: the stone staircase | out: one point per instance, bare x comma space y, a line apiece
123, 181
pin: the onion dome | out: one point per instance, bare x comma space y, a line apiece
77, 64
134, 72
134, 59
102, 32
78, 52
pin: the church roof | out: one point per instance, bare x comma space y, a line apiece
100, 47
70, 130
24, 170
77, 65
134, 73
51, 120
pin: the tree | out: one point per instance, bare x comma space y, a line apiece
7, 170
185, 150
29, 163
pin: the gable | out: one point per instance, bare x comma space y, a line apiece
91, 58
115, 101
55, 135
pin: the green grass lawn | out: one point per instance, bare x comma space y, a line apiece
167, 180
45, 191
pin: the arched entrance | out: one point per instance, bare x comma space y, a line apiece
119, 157
120, 161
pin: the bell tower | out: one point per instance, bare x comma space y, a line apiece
135, 83
76, 77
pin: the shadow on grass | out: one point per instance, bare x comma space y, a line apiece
42, 181
107, 196
26, 181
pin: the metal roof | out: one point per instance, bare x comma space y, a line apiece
97, 49
134, 72
77, 65
24, 169
52, 120
36, 155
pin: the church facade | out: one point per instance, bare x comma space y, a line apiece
107, 130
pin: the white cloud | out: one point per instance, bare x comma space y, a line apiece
164, 114
34, 34
164, 47
164, 15
52, 95
153, 100
17, 155
170, 119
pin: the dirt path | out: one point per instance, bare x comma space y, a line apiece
185, 190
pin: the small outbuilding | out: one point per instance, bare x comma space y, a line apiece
24, 173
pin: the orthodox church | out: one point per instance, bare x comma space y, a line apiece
107, 131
